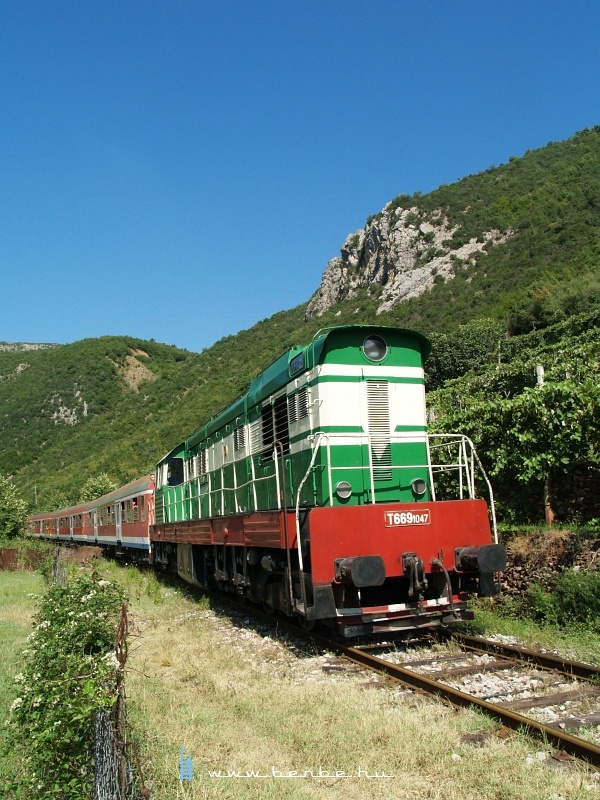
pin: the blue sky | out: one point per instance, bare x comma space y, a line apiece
180, 170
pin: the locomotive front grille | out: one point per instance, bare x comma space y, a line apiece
378, 408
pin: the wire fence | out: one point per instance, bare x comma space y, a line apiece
118, 774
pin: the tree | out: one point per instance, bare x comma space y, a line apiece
538, 435
472, 346
549, 429
13, 510
95, 487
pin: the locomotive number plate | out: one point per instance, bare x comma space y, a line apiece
394, 519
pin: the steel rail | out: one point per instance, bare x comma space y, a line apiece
546, 660
572, 745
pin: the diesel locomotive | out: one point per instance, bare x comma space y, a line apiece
319, 494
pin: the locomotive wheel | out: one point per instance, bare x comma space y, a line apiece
307, 625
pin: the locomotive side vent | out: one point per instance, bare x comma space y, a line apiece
303, 403
256, 436
378, 406
203, 462
239, 438
293, 408
298, 405
281, 426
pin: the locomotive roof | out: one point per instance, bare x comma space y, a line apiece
277, 375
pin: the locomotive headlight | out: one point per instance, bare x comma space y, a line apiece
343, 490
419, 487
375, 348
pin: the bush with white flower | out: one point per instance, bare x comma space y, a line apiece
69, 672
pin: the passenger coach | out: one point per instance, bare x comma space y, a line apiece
120, 520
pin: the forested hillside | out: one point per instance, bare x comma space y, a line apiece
117, 404
519, 243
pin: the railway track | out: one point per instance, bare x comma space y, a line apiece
583, 681
439, 674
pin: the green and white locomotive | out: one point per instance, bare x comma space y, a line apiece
315, 492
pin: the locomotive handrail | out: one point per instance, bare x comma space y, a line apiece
221, 490
464, 463
474, 456
298, 539
278, 453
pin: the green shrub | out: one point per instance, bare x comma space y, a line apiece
577, 599
69, 672
573, 601
13, 510
539, 604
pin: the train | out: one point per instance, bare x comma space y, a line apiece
318, 494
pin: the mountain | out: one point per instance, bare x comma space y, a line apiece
519, 243
511, 250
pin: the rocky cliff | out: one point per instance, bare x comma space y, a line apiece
23, 346
399, 254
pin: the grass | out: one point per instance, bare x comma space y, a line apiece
17, 606
18, 592
577, 643
241, 702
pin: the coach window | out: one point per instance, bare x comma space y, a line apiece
143, 507
134, 503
